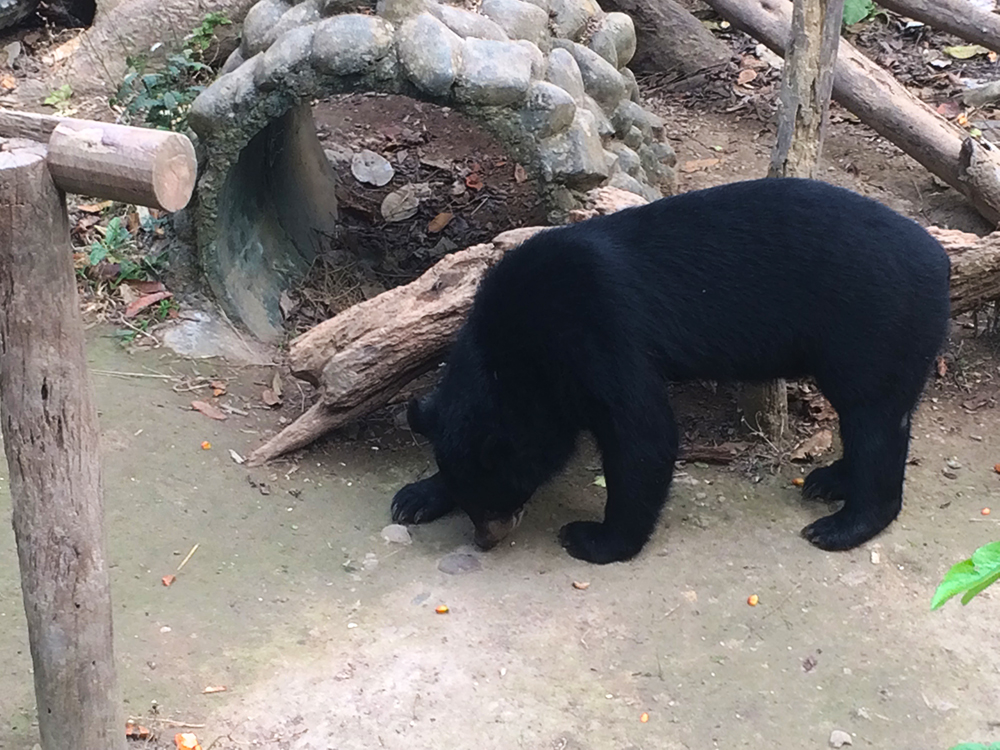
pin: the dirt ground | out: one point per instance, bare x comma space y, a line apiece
326, 636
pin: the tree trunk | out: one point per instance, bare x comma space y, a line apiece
669, 38
51, 440
959, 17
882, 103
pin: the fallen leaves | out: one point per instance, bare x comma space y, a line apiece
439, 222
145, 301
212, 412
474, 181
520, 174
746, 76
813, 447
965, 51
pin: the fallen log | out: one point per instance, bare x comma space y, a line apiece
882, 103
364, 356
959, 17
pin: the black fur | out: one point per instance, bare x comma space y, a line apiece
580, 328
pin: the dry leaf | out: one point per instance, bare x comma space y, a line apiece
949, 109
965, 51
276, 384
474, 181
270, 398
439, 222
697, 165
746, 76
132, 222
168, 579
942, 367
146, 287
145, 301
8, 82
813, 447
520, 174
94, 208
208, 410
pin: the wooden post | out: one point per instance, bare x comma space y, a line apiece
154, 168
51, 440
806, 83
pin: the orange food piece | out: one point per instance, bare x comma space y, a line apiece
985, 511
643, 717
206, 446
441, 609
135, 731
169, 579
798, 481
186, 741
752, 600
581, 585
996, 468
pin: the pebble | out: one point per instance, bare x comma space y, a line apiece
396, 533
953, 463
839, 738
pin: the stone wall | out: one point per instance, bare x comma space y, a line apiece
548, 77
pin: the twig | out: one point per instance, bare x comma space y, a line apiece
132, 374
189, 555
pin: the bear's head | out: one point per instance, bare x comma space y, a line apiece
487, 459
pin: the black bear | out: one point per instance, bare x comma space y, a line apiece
582, 326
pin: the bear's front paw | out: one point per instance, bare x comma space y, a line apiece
596, 543
421, 502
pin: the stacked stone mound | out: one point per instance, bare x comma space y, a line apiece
548, 77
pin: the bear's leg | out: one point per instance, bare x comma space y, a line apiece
827, 482
638, 448
875, 447
422, 502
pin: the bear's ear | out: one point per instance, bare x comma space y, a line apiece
421, 415
493, 452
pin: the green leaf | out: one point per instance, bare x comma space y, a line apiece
97, 253
970, 576
856, 11
965, 51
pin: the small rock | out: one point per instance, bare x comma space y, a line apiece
569, 18
367, 166
839, 738
548, 110
338, 156
628, 160
563, 71
11, 52
351, 44
519, 20
493, 73
576, 156
458, 563
396, 533
430, 54
601, 79
614, 39
953, 463
876, 557
467, 24
948, 473
260, 19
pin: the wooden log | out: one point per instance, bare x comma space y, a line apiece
51, 440
959, 17
975, 268
669, 39
155, 168
882, 103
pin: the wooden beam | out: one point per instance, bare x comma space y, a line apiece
155, 168
51, 438
959, 17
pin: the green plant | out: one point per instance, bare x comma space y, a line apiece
977, 746
161, 95
856, 11
116, 238
971, 576
59, 99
